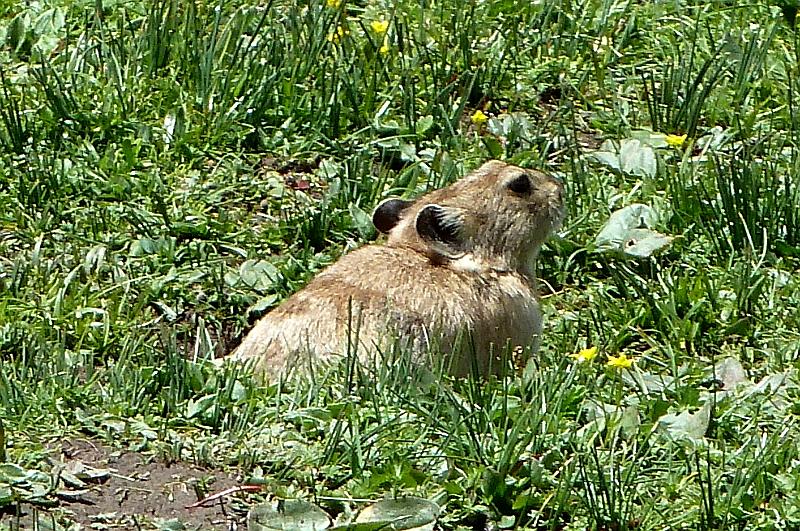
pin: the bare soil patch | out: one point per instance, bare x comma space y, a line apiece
133, 491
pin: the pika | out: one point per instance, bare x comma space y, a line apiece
457, 272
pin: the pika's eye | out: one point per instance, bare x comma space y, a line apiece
520, 185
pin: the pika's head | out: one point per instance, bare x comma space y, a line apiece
496, 217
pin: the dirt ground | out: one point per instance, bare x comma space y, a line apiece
131, 491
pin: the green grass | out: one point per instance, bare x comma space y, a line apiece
169, 171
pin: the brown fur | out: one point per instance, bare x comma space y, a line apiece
459, 262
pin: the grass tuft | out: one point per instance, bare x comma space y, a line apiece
171, 171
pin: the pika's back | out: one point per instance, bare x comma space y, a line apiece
458, 263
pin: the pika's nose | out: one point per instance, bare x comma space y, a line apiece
554, 187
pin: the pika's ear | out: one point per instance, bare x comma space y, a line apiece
442, 227
388, 213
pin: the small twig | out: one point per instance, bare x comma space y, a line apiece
222, 493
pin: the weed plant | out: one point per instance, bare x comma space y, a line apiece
170, 171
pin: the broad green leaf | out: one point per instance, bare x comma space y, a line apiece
46, 45
515, 124
166, 310
329, 169
71, 480
143, 246
507, 521
408, 152
772, 383
262, 304
631, 157
388, 143
644, 242
637, 159
635, 216
17, 33
39, 488
424, 124
686, 425
143, 429
259, 275
362, 221
11, 473
608, 158
75, 472
169, 524
602, 415
629, 230
730, 372
493, 146
780, 390
50, 21
114, 423
647, 382
650, 138
630, 421
74, 495
287, 515
200, 406
402, 513
238, 392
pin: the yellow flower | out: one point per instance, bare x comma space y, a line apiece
385, 48
337, 35
620, 362
675, 140
587, 354
379, 26
479, 118
334, 3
